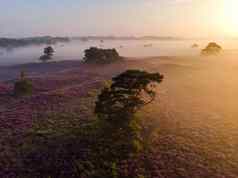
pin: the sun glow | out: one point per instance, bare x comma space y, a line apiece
230, 16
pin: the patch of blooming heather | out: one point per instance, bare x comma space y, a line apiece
51, 95
54, 94
4, 88
56, 82
143, 165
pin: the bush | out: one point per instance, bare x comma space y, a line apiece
211, 49
195, 45
23, 86
101, 56
45, 58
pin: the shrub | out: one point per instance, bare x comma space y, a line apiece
23, 86
211, 49
45, 58
195, 45
101, 56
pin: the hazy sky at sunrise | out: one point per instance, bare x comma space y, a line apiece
184, 18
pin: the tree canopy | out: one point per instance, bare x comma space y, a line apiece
48, 54
128, 92
101, 56
212, 49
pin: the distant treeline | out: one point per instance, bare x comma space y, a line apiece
86, 38
21, 42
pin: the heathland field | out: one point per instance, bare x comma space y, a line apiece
195, 110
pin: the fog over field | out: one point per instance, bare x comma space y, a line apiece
74, 50
197, 112
119, 89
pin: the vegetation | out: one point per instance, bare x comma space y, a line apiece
48, 54
212, 49
143, 38
23, 86
195, 45
14, 43
64, 146
116, 108
101, 56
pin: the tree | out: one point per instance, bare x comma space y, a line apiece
116, 108
61, 146
48, 54
129, 92
101, 56
211, 49
49, 51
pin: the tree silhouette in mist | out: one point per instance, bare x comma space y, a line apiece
211, 49
48, 54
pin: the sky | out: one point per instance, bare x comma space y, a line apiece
180, 18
